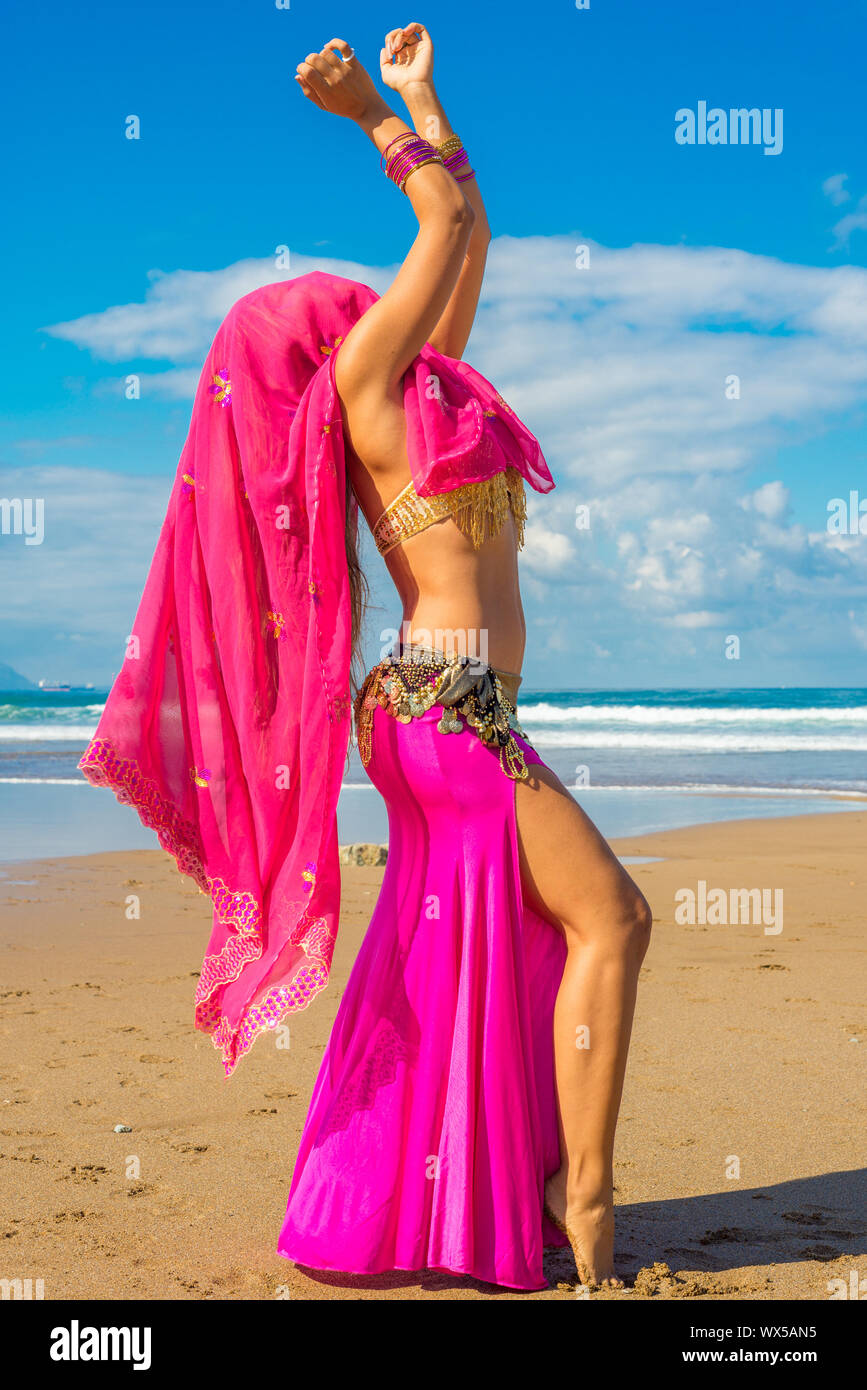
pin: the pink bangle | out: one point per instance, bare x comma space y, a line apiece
458, 165
404, 135
413, 154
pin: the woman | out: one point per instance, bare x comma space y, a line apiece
464, 1112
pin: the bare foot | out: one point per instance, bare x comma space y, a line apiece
589, 1227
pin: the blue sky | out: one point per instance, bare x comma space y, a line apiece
708, 515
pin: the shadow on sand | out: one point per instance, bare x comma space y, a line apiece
819, 1218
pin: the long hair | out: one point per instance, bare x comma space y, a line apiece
359, 591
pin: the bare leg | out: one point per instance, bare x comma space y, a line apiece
571, 877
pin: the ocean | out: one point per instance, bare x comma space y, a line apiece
637, 760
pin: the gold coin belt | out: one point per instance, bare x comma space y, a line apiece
408, 686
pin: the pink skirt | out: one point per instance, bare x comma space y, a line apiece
433, 1125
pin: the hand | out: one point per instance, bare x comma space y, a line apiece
408, 57
337, 84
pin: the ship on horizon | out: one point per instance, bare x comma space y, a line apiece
54, 686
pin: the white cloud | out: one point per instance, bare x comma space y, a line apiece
547, 552
770, 500
622, 371
853, 222
694, 620
83, 583
833, 188
858, 628
182, 309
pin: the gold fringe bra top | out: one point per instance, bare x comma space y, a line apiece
477, 509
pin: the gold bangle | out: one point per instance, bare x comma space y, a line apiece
450, 146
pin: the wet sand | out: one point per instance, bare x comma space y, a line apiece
739, 1158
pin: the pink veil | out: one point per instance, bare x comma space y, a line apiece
228, 725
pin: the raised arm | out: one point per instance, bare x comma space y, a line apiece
383, 344
410, 73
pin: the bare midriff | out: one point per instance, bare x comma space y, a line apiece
455, 597
460, 599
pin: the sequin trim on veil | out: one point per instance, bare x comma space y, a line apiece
239, 911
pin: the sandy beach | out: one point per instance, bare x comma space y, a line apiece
740, 1148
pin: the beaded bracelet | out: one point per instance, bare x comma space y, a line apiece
413, 154
450, 146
